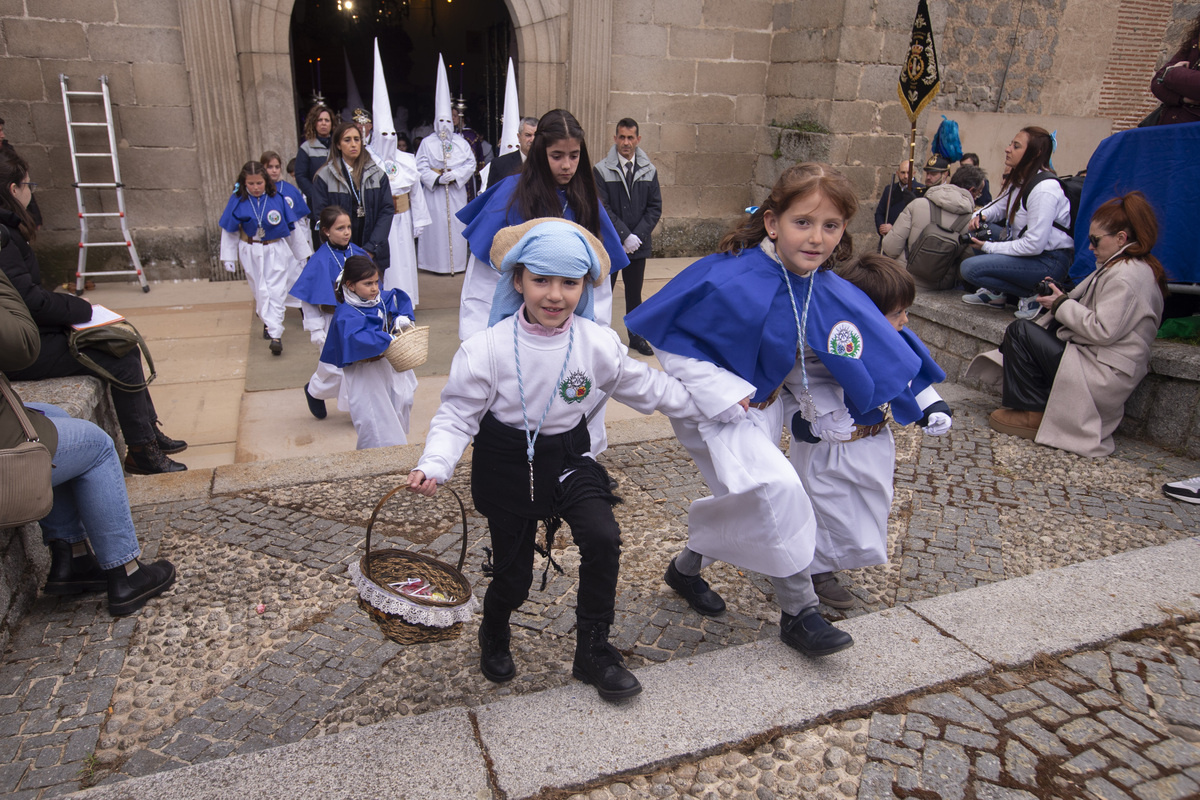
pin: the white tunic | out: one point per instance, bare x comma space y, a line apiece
443, 248
483, 377
269, 271
402, 173
380, 402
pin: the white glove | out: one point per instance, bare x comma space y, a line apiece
445, 177
938, 424
318, 337
230, 266
631, 243
836, 426
735, 413
401, 323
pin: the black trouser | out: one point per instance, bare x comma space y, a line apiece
595, 531
1031, 358
633, 275
135, 411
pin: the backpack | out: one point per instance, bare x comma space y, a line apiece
1072, 187
934, 256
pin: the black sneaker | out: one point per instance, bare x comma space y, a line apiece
147, 459
695, 590
165, 443
315, 407
811, 634
276, 347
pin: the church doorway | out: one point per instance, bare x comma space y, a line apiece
333, 56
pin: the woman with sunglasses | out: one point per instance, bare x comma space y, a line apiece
1066, 375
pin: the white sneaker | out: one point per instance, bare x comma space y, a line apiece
1028, 307
1188, 490
984, 298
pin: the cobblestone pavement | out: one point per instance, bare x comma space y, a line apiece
200, 674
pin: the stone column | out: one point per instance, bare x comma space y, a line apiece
589, 56
220, 117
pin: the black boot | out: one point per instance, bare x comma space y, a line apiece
597, 662
809, 633
128, 593
276, 347
315, 407
165, 443
495, 658
147, 459
73, 574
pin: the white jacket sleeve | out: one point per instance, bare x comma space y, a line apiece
645, 389
464, 402
713, 388
1045, 204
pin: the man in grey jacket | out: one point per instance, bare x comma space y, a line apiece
956, 201
628, 185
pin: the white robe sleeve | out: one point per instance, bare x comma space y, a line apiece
229, 246
300, 243
712, 388
645, 389
419, 209
462, 163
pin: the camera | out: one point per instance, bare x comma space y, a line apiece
1044, 288
984, 234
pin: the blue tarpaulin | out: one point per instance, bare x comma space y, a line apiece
1163, 163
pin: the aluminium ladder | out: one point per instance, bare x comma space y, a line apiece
115, 184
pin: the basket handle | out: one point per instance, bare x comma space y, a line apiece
462, 554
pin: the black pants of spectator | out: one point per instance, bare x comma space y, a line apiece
1031, 358
633, 276
135, 411
595, 531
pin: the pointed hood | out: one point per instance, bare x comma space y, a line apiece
353, 98
381, 109
443, 122
511, 125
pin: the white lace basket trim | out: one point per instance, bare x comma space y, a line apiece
392, 603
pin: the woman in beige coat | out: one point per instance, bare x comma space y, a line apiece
1066, 375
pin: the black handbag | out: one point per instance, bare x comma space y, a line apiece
117, 339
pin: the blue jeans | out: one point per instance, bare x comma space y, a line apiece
90, 501
1017, 275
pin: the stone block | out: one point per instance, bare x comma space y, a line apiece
714, 169
84, 76
677, 138
689, 237
846, 80
157, 167
799, 146
741, 14
23, 80
854, 116
750, 109
730, 77
156, 126
49, 125
148, 12
803, 81
726, 138
123, 43
828, 14
633, 11
1171, 416
751, 45
638, 40
701, 43
691, 108
878, 82
892, 116
863, 180
872, 151
679, 12
861, 44
804, 45
74, 10
894, 14
680, 201
161, 85
45, 39
724, 201
653, 75
665, 164
151, 208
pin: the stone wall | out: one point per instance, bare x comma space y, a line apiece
137, 44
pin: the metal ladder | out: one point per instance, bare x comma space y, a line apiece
81, 272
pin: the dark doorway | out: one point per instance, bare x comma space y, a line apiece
474, 36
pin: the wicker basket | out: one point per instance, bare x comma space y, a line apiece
408, 349
403, 618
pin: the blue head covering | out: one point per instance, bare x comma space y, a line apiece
546, 246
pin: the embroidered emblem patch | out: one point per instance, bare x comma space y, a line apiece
274, 217
391, 168
575, 388
845, 340
291, 203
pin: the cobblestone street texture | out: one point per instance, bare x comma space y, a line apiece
199, 674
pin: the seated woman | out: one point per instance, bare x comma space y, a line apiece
55, 312
90, 503
1066, 376
1035, 217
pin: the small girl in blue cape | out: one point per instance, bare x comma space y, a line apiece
379, 398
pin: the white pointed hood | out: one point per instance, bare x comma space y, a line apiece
510, 128
384, 139
443, 122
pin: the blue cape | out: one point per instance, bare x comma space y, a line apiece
315, 284
360, 333
278, 219
1160, 162
734, 311
294, 198
489, 212
905, 408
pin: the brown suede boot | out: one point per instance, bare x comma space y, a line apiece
1016, 423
